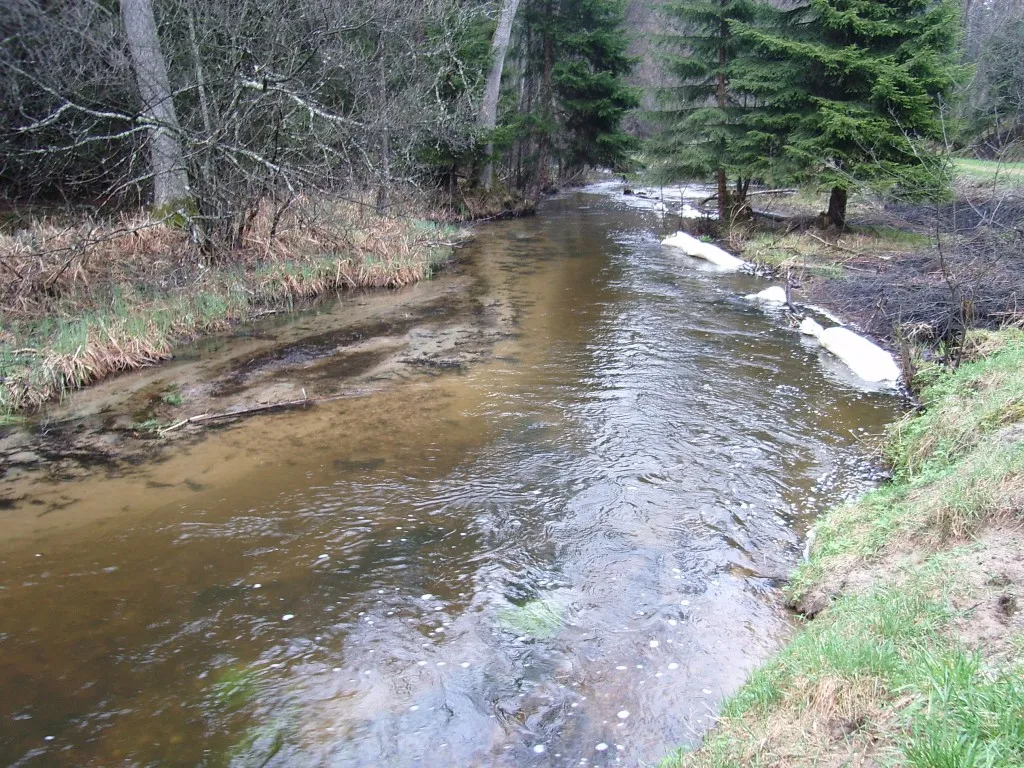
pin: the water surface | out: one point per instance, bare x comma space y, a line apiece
567, 555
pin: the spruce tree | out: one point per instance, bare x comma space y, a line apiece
702, 132
850, 90
590, 67
570, 88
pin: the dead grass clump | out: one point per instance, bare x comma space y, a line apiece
479, 204
93, 299
981, 343
47, 263
829, 721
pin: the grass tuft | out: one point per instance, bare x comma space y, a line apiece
99, 298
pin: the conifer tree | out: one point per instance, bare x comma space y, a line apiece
591, 64
850, 90
570, 90
702, 133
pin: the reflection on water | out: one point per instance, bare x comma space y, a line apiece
564, 556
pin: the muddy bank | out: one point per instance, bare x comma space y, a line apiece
915, 273
135, 288
346, 346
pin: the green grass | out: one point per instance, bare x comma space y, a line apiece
540, 619
989, 170
884, 668
895, 239
961, 408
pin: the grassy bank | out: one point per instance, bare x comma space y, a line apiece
84, 300
915, 650
989, 170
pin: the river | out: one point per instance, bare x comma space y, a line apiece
566, 553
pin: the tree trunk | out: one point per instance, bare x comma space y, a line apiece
723, 196
489, 107
721, 100
170, 178
837, 208
383, 199
547, 108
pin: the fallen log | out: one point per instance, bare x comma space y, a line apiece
756, 192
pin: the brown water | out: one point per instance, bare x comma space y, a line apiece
487, 567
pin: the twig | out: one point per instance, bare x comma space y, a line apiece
834, 245
11, 267
204, 418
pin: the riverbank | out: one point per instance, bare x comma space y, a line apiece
914, 643
904, 273
86, 300
625, 454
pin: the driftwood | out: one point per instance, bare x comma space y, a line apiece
781, 218
205, 418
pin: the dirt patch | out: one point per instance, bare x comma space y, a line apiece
930, 294
903, 271
989, 606
991, 616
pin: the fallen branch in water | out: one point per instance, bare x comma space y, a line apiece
205, 418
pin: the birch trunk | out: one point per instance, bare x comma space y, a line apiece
489, 107
170, 179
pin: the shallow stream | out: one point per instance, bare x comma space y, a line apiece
566, 553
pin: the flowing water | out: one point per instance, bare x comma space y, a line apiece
567, 554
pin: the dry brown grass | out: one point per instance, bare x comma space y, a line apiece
88, 300
482, 205
828, 721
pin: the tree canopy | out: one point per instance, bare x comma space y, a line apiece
833, 93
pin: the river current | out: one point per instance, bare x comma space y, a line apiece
567, 554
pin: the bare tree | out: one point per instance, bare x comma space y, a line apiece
170, 179
489, 105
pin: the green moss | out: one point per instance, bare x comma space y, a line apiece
540, 619
173, 398
235, 687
